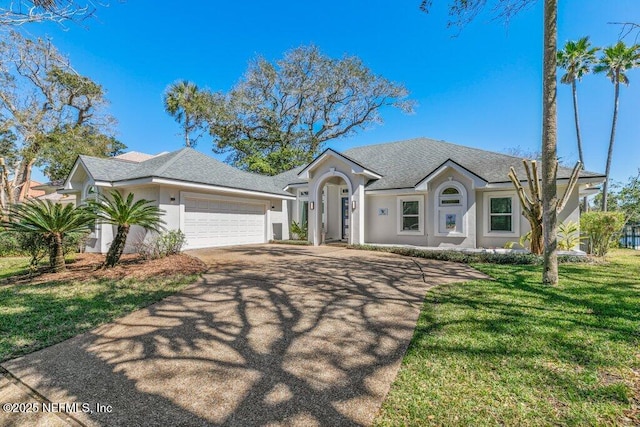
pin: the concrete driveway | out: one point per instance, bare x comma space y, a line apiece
272, 335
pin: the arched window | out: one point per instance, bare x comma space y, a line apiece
450, 209
450, 196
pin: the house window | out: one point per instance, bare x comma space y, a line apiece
410, 215
450, 196
450, 209
501, 211
304, 212
501, 214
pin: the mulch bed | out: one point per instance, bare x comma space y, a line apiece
89, 267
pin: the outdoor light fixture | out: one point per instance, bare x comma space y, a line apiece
312, 205
353, 204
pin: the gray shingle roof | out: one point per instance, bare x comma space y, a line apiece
405, 163
402, 164
186, 165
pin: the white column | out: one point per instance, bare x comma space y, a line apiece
357, 214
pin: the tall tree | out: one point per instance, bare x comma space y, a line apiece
62, 146
616, 60
576, 59
20, 12
40, 94
280, 114
463, 11
188, 105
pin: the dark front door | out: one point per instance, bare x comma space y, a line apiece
345, 218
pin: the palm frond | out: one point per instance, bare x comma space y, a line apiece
116, 210
46, 217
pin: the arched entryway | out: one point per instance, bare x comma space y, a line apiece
331, 209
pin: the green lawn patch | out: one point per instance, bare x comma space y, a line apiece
34, 316
514, 352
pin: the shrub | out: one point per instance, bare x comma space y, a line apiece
601, 229
171, 242
515, 258
74, 242
162, 245
9, 245
568, 235
299, 230
35, 245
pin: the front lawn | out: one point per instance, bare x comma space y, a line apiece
37, 312
514, 352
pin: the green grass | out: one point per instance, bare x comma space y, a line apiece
514, 352
12, 266
40, 315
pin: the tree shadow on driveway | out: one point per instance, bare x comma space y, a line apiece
267, 337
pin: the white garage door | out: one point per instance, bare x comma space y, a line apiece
212, 222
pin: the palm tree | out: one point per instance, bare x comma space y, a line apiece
124, 213
576, 59
51, 220
186, 103
615, 62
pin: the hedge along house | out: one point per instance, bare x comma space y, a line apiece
418, 192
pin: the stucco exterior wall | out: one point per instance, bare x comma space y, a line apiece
338, 172
468, 210
384, 228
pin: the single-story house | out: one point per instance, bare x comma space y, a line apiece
419, 192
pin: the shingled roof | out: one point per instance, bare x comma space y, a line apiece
187, 165
404, 164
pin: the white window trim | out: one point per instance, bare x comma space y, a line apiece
515, 214
420, 200
454, 209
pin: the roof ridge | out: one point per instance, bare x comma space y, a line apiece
169, 162
86, 156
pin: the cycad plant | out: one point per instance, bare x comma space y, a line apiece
123, 213
53, 221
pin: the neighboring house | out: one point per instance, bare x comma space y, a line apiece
48, 191
34, 190
417, 192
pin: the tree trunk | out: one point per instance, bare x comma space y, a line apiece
537, 244
20, 185
549, 143
574, 90
117, 246
56, 253
605, 187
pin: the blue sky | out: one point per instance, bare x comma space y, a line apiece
481, 88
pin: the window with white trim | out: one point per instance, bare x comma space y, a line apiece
501, 210
450, 209
500, 214
450, 196
411, 215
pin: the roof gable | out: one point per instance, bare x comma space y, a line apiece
356, 167
477, 181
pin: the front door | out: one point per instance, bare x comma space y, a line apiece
345, 218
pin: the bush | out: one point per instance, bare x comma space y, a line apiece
172, 242
34, 245
168, 243
74, 242
9, 245
602, 229
515, 258
568, 236
300, 231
